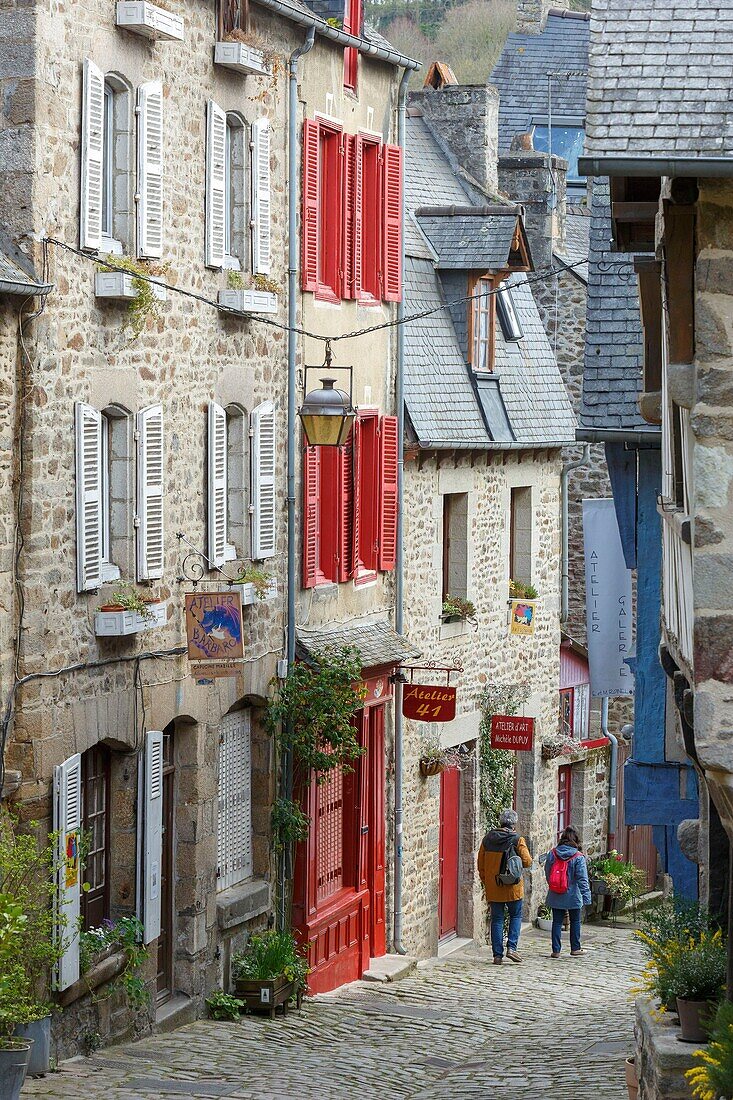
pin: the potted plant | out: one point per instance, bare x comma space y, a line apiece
457, 610
560, 745
544, 918
520, 591
222, 1006
125, 937
14, 1052
245, 53
697, 981
632, 1078
249, 294
616, 878
255, 584
126, 279
128, 611
712, 1076
665, 930
269, 971
435, 758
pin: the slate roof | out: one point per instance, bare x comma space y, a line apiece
465, 239
429, 180
612, 374
16, 271
521, 73
661, 78
376, 641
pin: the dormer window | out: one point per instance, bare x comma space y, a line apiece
507, 314
482, 319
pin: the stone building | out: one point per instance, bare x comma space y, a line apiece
154, 449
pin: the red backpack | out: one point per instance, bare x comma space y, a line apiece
558, 879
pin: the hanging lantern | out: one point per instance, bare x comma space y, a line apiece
327, 415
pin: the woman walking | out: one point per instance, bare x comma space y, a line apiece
569, 889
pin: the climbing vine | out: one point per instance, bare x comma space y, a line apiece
497, 765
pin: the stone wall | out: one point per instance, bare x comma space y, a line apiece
532, 14
465, 118
661, 1059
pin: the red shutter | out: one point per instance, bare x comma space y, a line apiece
392, 250
345, 544
309, 258
388, 493
311, 523
356, 501
358, 202
347, 240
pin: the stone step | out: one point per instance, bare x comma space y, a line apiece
176, 1012
389, 968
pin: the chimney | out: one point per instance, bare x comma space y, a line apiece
532, 14
525, 178
465, 117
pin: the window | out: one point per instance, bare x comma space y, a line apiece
235, 194
455, 545
95, 776
567, 142
520, 535
352, 25
236, 237
564, 797
234, 816
329, 213
103, 494
370, 251
229, 476
367, 494
581, 711
107, 154
229, 18
566, 712
481, 330
507, 314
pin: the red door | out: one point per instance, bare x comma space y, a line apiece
450, 783
564, 796
376, 826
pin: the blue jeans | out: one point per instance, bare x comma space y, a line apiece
557, 918
514, 909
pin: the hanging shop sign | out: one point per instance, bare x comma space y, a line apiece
608, 601
509, 731
429, 702
522, 617
214, 632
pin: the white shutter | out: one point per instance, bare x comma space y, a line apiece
234, 818
150, 169
67, 824
149, 424
217, 460
581, 698
261, 197
92, 157
263, 481
153, 834
89, 481
216, 197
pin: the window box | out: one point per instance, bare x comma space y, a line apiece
249, 301
149, 20
118, 624
249, 595
240, 57
121, 285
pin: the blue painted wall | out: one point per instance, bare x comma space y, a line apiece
657, 791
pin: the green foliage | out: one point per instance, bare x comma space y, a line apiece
665, 931
268, 955
697, 971
312, 709
237, 281
145, 304
455, 606
129, 597
289, 824
624, 880
222, 1006
712, 1077
259, 578
125, 935
544, 912
433, 752
520, 591
497, 765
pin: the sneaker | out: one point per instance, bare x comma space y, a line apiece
498, 960
514, 955
574, 954
555, 955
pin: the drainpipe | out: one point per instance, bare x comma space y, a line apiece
286, 781
568, 467
399, 563
612, 780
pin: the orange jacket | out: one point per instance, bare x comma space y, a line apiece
488, 868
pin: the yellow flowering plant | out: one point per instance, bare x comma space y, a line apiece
712, 1077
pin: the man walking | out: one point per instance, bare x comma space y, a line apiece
494, 864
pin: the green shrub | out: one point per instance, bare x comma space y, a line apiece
712, 1078
267, 956
222, 1006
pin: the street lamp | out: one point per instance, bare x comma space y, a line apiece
327, 413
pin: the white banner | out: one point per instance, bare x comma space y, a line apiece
608, 602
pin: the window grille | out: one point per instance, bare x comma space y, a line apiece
234, 822
330, 863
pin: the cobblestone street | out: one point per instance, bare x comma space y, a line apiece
459, 1027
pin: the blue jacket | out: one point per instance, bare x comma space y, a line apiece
578, 891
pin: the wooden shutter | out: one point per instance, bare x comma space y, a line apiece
149, 424
358, 208
311, 194
347, 236
88, 428
234, 817
388, 493
345, 511
356, 460
216, 141
311, 521
92, 157
263, 481
152, 834
217, 484
67, 824
150, 169
392, 212
261, 247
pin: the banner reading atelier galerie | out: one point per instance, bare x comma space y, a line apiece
608, 601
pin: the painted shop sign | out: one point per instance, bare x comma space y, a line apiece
522, 617
429, 702
508, 731
608, 602
214, 632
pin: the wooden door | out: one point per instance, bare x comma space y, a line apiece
167, 876
450, 785
376, 834
564, 797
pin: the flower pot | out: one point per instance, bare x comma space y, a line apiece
431, 767
632, 1080
696, 1018
264, 996
14, 1058
545, 923
39, 1033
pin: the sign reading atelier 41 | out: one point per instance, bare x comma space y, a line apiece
429, 702
512, 732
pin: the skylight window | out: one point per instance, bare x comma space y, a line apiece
507, 314
567, 142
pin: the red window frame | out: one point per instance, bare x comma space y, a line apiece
353, 18
369, 220
564, 797
567, 712
366, 498
330, 186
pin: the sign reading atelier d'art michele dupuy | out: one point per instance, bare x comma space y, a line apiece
214, 633
512, 732
608, 602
